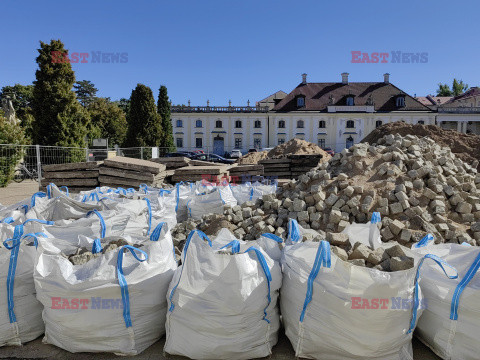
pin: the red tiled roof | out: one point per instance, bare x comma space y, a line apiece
317, 96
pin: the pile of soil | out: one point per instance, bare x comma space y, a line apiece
464, 146
294, 147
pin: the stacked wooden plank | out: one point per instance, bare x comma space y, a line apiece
129, 172
202, 163
247, 172
301, 164
172, 163
276, 167
76, 176
214, 173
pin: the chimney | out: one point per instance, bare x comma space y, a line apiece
386, 78
304, 79
345, 78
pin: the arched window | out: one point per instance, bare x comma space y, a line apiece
300, 124
421, 122
198, 123
300, 101
400, 101
179, 123
350, 124
378, 123
350, 101
257, 124
281, 124
238, 124
321, 124
218, 124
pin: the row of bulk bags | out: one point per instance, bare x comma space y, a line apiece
223, 298
336, 310
113, 303
20, 311
451, 322
210, 202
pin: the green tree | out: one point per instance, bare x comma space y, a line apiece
458, 87
163, 107
123, 104
22, 96
12, 154
110, 120
86, 92
144, 125
59, 118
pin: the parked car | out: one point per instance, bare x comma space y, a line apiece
213, 158
187, 154
252, 150
329, 151
235, 154
267, 149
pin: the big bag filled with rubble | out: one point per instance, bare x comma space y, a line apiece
333, 309
110, 301
223, 302
451, 323
210, 202
20, 311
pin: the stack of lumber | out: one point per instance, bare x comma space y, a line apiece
202, 163
301, 164
247, 172
276, 167
129, 172
76, 176
213, 173
172, 163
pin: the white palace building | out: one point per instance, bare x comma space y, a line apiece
333, 115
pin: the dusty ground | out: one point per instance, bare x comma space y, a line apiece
36, 350
14, 192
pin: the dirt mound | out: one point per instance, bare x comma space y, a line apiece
296, 147
253, 157
464, 146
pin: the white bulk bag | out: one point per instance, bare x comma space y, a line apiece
451, 323
20, 311
182, 194
210, 203
242, 193
113, 303
333, 309
368, 234
222, 306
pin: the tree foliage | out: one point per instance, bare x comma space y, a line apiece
458, 87
11, 155
85, 91
59, 118
22, 96
163, 107
110, 120
144, 125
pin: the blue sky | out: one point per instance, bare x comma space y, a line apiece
221, 50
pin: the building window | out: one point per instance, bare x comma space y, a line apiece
238, 124
198, 142
179, 142
349, 142
258, 124
300, 101
421, 122
218, 124
378, 123
350, 124
350, 101
238, 143
281, 124
321, 124
179, 123
198, 123
281, 141
257, 143
400, 101
321, 143
300, 124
